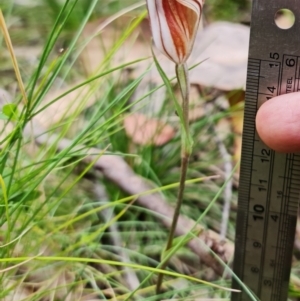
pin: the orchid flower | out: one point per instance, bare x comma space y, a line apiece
174, 25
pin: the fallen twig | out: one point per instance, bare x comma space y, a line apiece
118, 171
227, 171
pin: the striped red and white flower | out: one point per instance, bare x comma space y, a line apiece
174, 24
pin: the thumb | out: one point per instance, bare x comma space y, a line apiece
278, 123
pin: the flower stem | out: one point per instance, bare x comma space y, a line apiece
186, 149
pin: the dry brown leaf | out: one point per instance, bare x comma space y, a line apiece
234, 98
224, 47
147, 131
65, 107
101, 42
92, 57
237, 125
20, 291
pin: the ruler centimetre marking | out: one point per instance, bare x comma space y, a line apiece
269, 181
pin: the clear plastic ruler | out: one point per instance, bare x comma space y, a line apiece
269, 181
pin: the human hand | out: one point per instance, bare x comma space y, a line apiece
278, 123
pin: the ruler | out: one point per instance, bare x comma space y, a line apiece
269, 181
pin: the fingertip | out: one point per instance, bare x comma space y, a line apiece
278, 123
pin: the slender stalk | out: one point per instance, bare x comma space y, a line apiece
186, 148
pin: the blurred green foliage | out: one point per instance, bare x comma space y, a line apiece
230, 10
